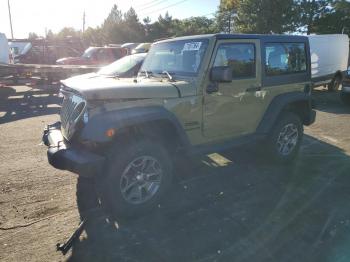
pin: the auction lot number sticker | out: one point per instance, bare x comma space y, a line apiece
192, 46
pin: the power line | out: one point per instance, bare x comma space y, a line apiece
149, 4
145, 4
213, 13
148, 7
161, 9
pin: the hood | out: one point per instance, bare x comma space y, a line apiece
83, 77
70, 60
94, 87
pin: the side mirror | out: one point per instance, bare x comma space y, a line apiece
221, 74
348, 71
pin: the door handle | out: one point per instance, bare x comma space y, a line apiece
253, 88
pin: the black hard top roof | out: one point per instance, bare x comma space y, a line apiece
265, 38
262, 38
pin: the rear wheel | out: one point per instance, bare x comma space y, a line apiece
137, 176
285, 138
335, 84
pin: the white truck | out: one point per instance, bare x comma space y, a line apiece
329, 59
4, 50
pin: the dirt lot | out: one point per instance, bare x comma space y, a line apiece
228, 207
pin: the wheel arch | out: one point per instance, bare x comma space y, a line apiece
296, 102
154, 122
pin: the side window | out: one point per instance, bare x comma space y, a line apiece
284, 58
116, 53
102, 54
239, 57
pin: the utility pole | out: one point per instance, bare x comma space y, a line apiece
84, 22
8, 4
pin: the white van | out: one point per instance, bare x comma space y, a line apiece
4, 49
329, 59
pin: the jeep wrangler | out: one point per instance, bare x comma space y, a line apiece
192, 95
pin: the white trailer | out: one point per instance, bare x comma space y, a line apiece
4, 49
329, 59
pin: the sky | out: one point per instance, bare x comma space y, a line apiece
40, 15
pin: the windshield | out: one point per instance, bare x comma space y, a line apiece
122, 65
88, 52
181, 57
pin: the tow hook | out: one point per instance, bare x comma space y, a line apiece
64, 248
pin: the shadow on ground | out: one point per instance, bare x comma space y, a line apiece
25, 104
329, 102
233, 207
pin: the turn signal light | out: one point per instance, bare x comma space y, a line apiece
110, 132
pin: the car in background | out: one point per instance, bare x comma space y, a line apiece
126, 67
141, 48
130, 46
42, 53
5, 55
95, 56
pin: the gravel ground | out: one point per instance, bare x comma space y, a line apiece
223, 207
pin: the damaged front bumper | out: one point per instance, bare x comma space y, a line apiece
63, 156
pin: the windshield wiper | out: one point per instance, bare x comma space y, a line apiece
147, 73
171, 79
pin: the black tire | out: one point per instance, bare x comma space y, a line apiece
120, 158
335, 84
87, 198
345, 98
285, 121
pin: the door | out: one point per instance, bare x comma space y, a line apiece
234, 109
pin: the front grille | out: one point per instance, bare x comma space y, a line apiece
72, 109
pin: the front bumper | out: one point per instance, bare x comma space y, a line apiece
65, 157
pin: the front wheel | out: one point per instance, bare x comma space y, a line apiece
138, 175
285, 138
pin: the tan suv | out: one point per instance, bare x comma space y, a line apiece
193, 95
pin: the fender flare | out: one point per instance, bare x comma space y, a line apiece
96, 127
279, 103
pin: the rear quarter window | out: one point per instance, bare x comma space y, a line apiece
285, 58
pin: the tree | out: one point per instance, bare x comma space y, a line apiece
224, 16
68, 32
162, 28
93, 37
310, 11
265, 16
32, 36
50, 34
134, 31
336, 20
111, 28
194, 26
